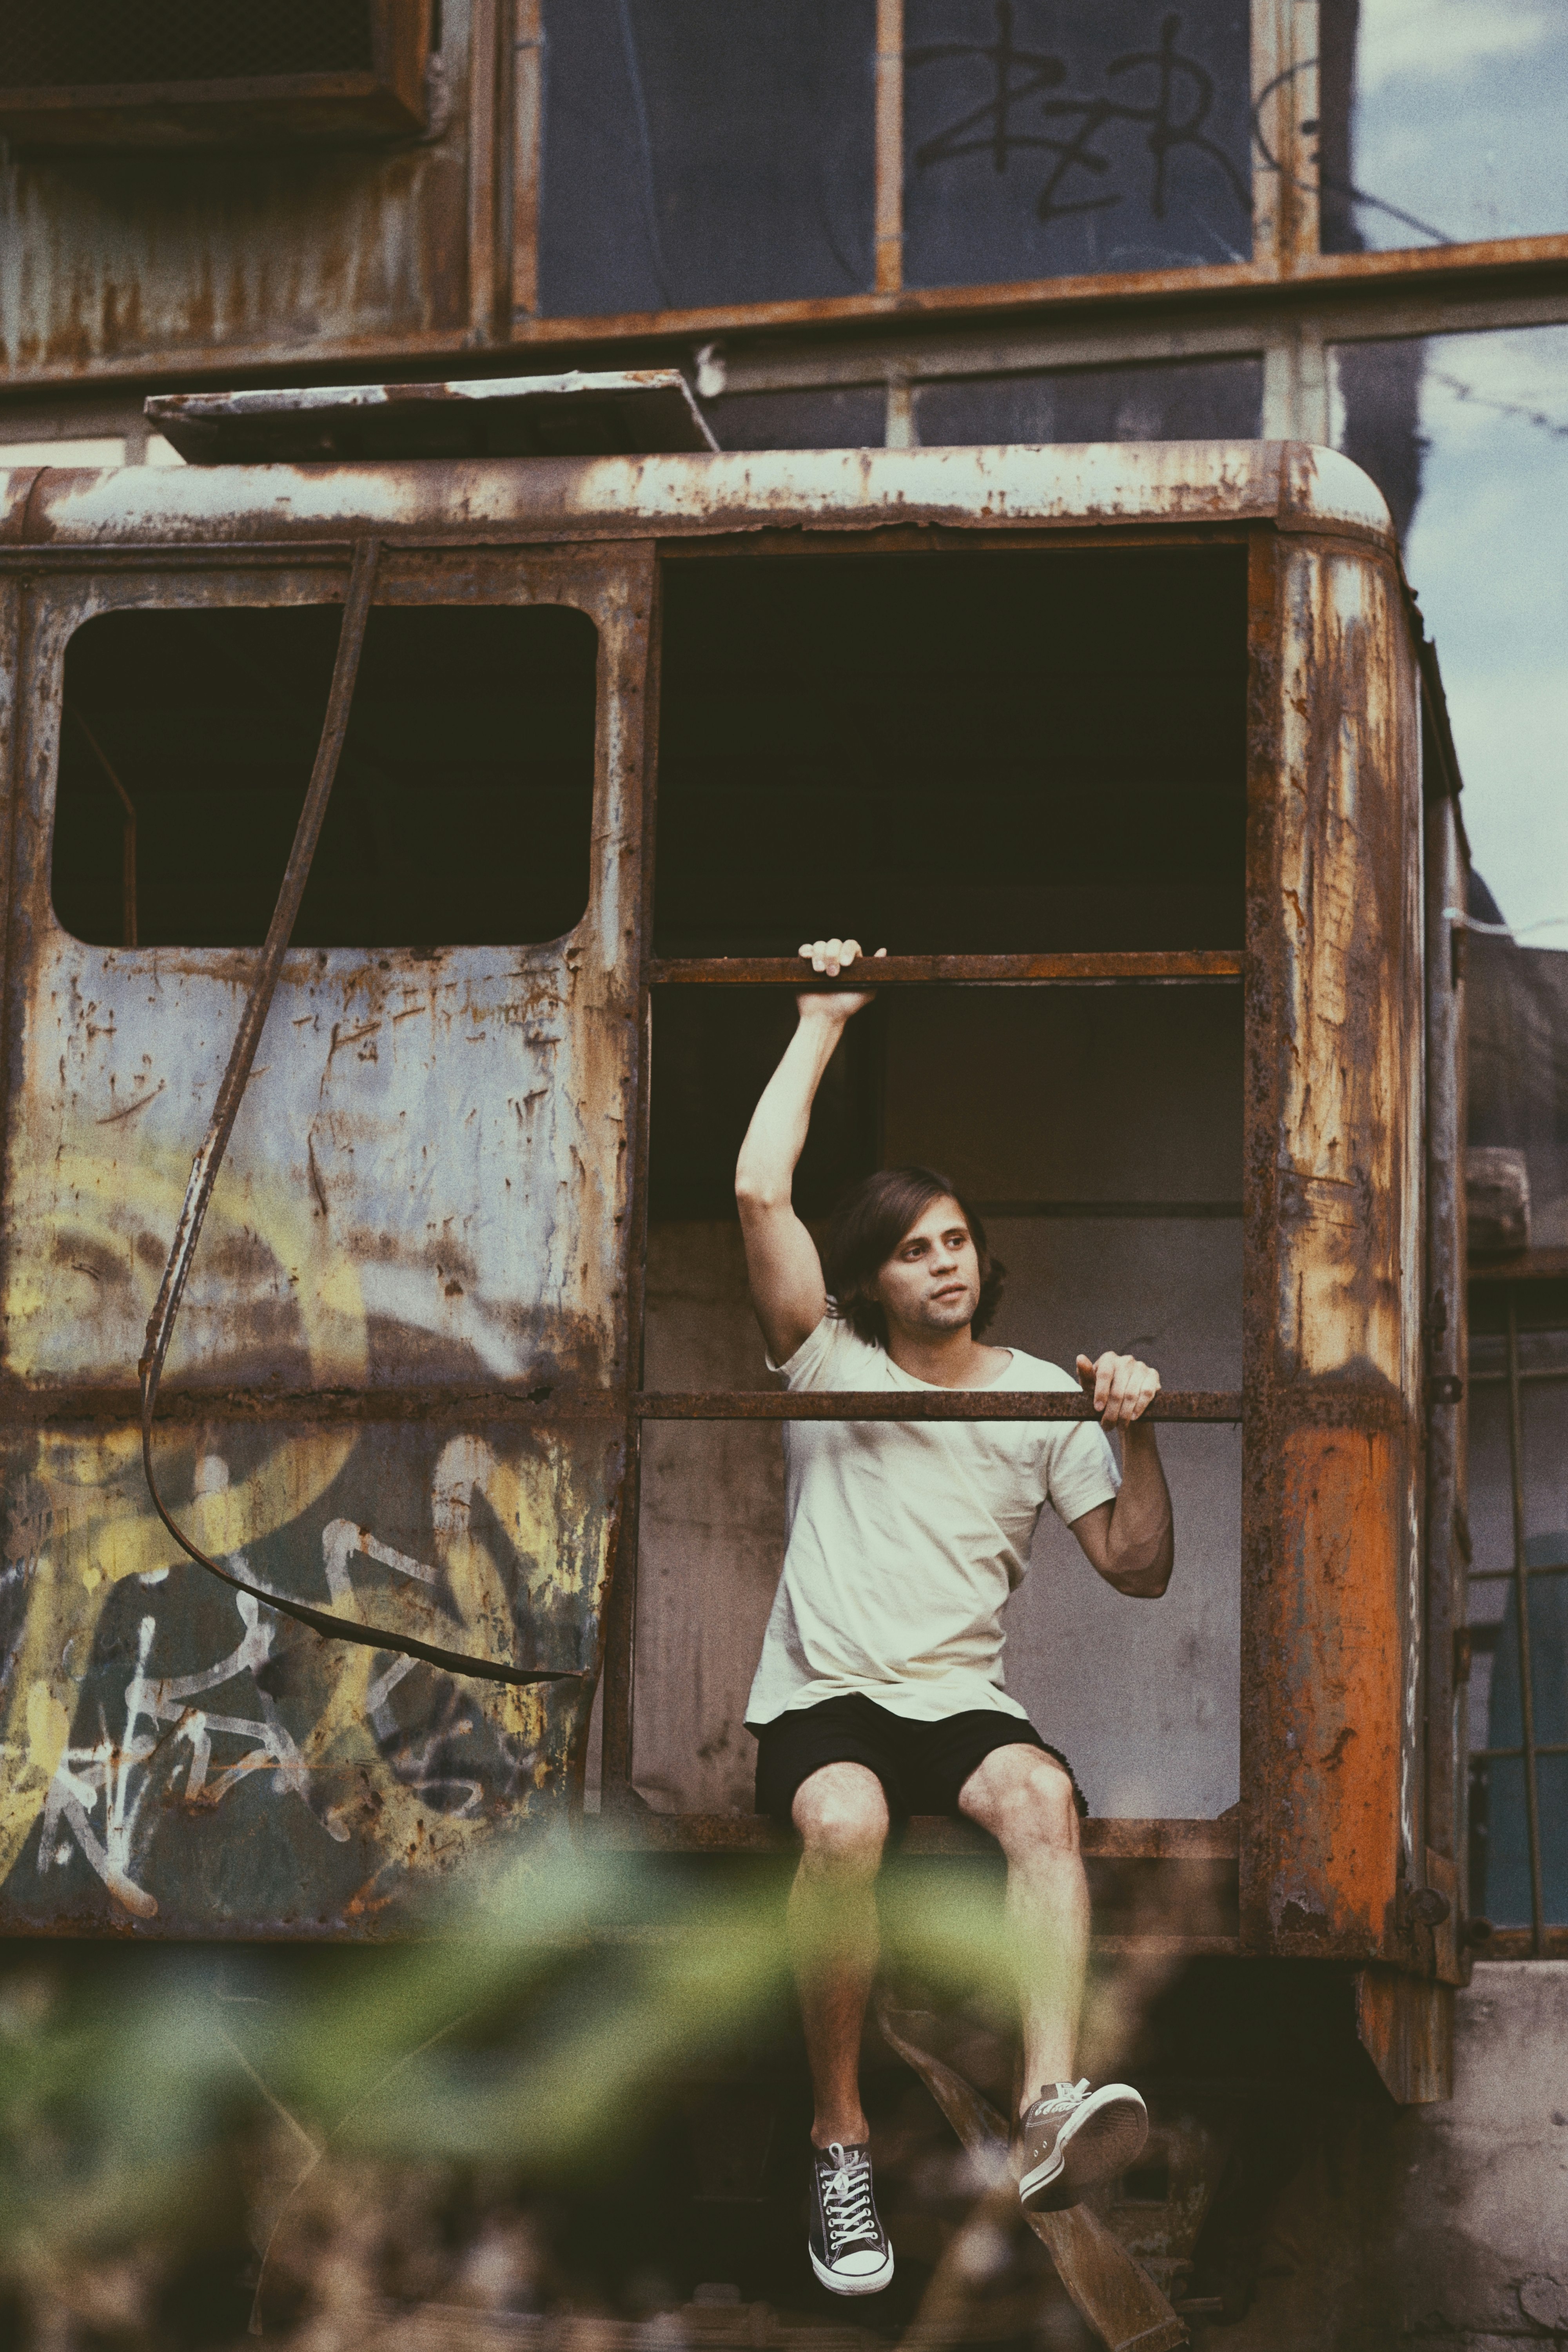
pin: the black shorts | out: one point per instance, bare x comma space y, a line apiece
921, 1766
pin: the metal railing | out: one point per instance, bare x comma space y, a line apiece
1519, 1575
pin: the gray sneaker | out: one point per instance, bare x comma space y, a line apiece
1074, 2138
849, 2248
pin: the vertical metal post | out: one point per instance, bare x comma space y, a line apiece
890, 146
527, 109
1284, 165
481, 127
620, 1631
1446, 1319
1522, 1600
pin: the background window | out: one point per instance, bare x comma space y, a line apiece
1195, 400
462, 811
704, 151
848, 418
1046, 140
1519, 1849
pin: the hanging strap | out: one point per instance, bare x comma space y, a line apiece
220, 1127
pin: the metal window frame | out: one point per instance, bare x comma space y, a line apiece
1286, 306
1286, 257
624, 1813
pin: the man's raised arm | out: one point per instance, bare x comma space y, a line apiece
782, 1264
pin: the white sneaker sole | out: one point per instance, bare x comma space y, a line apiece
1096, 2144
867, 2281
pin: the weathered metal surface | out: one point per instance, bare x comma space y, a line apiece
424, 1197
514, 1332
1285, 483
1407, 2029
119, 262
623, 413
1332, 1768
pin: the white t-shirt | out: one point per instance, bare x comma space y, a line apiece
905, 1538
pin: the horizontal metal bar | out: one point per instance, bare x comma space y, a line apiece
475, 1406
1106, 1840
935, 1404
1516, 1755
947, 970
1499, 1380
1506, 1575
1216, 1211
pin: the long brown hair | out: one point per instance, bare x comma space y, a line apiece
868, 1226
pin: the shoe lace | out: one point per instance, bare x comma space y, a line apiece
846, 2203
1069, 2094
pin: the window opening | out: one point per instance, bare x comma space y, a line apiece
1006, 753
462, 814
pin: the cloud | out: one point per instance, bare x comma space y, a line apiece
1400, 39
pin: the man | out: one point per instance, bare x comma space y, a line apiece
879, 1689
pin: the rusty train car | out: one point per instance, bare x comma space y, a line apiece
1136, 756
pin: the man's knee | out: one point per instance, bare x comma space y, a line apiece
1026, 1802
842, 1816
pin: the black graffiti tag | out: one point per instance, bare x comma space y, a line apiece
1179, 104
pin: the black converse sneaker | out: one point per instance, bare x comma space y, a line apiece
1074, 2138
849, 2248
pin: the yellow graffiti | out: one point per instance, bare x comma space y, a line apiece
84, 1526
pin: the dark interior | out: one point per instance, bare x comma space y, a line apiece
965, 752
462, 811
959, 752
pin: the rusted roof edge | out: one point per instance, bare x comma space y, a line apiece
1292, 484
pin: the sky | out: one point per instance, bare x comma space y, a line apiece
1488, 556
1460, 115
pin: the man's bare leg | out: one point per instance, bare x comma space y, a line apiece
1026, 1800
842, 1816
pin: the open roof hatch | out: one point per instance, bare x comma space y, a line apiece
640, 412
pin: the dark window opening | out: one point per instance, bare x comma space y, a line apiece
462, 811
966, 753
969, 754
714, 1050
83, 42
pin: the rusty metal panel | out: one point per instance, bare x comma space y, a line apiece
1334, 1755
137, 262
420, 1227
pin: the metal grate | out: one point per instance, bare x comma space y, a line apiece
73, 43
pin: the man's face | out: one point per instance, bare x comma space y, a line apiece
931, 1282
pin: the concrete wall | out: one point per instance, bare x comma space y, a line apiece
1442, 2226
1037, 1105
